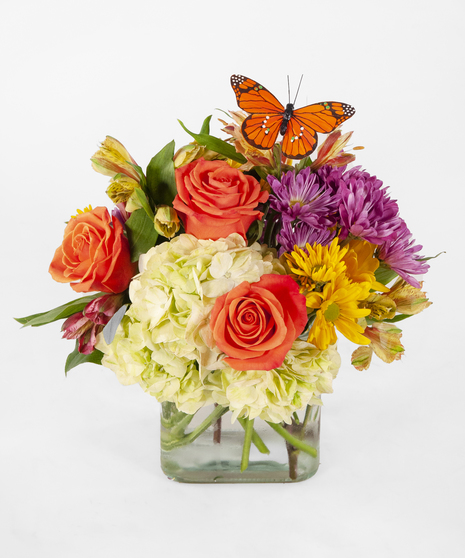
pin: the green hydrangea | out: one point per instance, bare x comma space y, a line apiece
274, 395
164, 342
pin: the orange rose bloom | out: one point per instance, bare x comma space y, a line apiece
94, 254
215, 200
256, 324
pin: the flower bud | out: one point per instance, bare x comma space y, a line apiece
166, 221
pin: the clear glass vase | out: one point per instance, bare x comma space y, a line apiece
207, 448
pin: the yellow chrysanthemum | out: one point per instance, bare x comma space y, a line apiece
361, 264
337, 308
81, 212
313, 270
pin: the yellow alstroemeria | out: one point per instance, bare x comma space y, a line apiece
385, 341
361, 357
113, 158
409, 300
122, 188
381, 307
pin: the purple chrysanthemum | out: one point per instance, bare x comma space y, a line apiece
300, 196
301, 234
365, 209
401, 256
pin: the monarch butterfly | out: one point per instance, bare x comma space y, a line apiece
268, 117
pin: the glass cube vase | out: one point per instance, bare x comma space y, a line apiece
207, 448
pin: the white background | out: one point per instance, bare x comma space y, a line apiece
79, 471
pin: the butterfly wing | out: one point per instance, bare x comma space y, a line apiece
261, 130
261, 127
254, 98
300, 138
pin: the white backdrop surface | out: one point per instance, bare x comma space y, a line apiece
79, 471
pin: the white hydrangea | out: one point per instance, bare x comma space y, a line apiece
274, 395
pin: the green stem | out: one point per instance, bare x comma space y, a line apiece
188, 438
307, 415
256, 440
178, 430
247, 444
293, 440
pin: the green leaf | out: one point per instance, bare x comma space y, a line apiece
141, 233
255, 232
142, 199
305, 162
216, 144
59, 313
385, 274
398, 318
206, 125
431, 257
76, 358
161, 183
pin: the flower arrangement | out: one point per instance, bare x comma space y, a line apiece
226, 271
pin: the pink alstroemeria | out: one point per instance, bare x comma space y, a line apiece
332, 151
86, 325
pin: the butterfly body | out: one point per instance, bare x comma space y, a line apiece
299, 127
287, 115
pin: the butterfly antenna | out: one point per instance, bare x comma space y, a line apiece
298, 88
288, 89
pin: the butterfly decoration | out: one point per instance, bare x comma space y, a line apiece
268, 118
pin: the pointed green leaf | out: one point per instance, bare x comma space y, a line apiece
206, 125
305, 162
161, 183
398, 318
255, 232
76, 358
385, 274
142, 199
59, 313
141, 233
431, 257
217, 145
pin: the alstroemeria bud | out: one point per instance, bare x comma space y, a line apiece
113, 158
409, 300
166, 221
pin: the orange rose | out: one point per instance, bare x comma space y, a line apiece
94, 253
214, 200
256, 324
